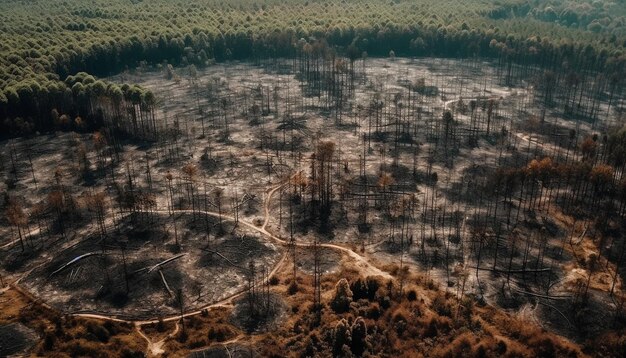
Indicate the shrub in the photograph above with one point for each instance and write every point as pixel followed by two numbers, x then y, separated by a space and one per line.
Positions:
pixel 501 347
pixel 431 329
pixel 112 327
pixel 385 302
pixel 49 341
pixel 343 296
pixel 197 343
pixel 359 289
pixel 373 312
pixel 59 330
pixel 219 333
pixel 274 281
pixel 182 336
pixel 365 289
pixel 441 306
pixel 119 299
pixel 399 314
pixel 462 347
pixel 297 327
pixel 292 289
pixel 83 349
pixel 372 287
pixel 341 337
pixel 359 337
pixel 481 351
pixel 101 333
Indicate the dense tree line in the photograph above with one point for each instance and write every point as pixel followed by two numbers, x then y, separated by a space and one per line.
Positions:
pixel 45 43
pixel 593 15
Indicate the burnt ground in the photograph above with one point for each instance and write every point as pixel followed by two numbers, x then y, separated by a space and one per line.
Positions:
pixel 246 128
pixel 16 339
pixel 206 270
pixel 226 351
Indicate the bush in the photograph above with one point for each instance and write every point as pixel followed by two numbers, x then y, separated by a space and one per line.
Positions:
pixel 372 287
pixel 101 333
pixel 219 333
pixel 160 325
pixel 112 327
pixel 481 351
pixel 501 347
pixel 441 306
pixel 274 281
pixel 83 349
pixel 49 341
pixel 399 315
pixel 385 302
pixel 343 297
pixel 59 330
pixel 462 347
pixel 544 347
pixel 183 336
pixel 341 337
pixel 119 299
pixel 431 329
pixel 359 289
pixel 359 337
pixel 365 289
pixel 373 312
pixel 197 344
pixel 292 289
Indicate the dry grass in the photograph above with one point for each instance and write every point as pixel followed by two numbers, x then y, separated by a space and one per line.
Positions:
pixel 68 336
pixel 425 325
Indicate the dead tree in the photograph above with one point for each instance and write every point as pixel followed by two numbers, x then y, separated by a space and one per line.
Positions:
pixel 17 218
pixel 317 281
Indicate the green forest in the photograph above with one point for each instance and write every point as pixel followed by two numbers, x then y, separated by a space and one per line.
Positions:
pixel 44 44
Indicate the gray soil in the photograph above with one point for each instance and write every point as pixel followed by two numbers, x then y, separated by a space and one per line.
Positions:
pixel 249 127
pixel 16 339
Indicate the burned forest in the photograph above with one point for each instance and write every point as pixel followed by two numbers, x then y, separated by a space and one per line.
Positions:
pixel 301 196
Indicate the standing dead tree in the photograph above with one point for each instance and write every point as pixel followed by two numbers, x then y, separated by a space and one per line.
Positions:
pixel 17 218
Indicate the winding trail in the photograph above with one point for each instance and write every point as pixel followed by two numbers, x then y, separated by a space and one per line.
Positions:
pixel 521 136
pixel 155 348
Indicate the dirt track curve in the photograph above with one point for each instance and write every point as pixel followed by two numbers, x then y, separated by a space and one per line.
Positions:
pixel 155 348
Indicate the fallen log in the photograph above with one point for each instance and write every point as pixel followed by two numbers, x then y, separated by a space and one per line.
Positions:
pixel 167 287
pixel 556 309
pixel 165 262
pixel 154 267
pixel 544 269
pixel 582 236
pixel 75 260
pixel 223 257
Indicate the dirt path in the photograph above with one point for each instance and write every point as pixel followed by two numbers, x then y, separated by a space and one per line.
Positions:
pixel 266 203
pixel 24 238
pixel 225 344
pixel 521 136
pixel 155 348
pixel 152 349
